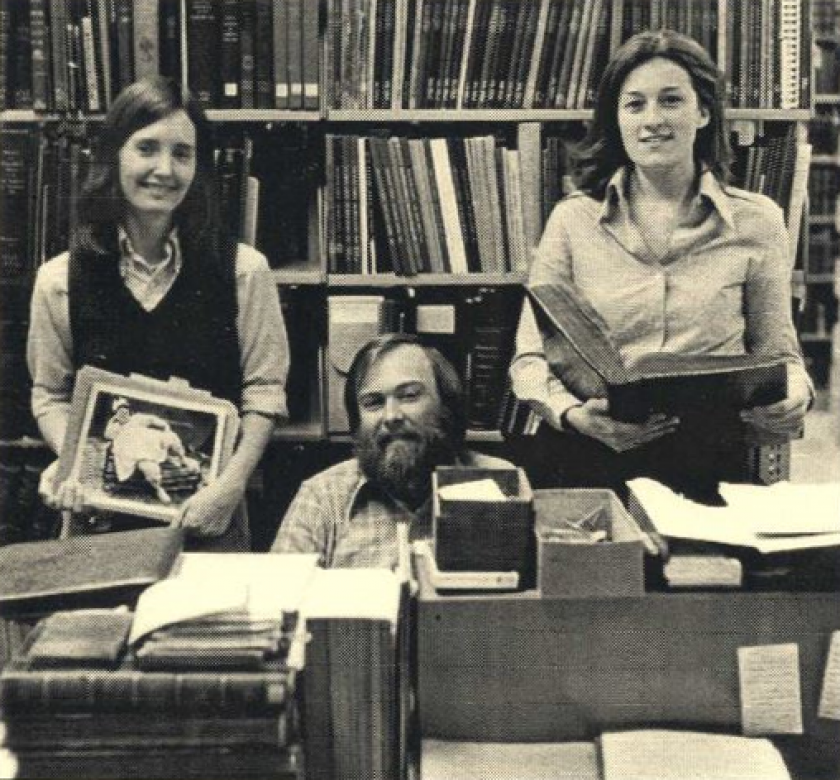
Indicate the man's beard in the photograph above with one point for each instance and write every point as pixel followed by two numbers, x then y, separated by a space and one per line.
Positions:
pixel 400 458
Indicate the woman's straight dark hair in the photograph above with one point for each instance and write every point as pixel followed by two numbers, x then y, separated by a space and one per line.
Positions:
pixel 101 202
pixel 602 152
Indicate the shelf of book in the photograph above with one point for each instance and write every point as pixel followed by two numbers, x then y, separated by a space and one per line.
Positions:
pixel 815 338
pixel 426 280
pixel 261 115
pixel 827 100
pixel 826 278
pixel 298 274
pixel 825 159
pixel 822 219
pixel 309 431
pixel 426 116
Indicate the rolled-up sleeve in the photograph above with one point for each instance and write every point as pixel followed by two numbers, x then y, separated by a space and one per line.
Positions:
pixel 263 342
pixel 768 295
pixel 49 345
pixel 530 374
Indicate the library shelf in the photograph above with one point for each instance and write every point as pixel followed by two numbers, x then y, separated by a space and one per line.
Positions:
pixel 827 100
pixel 24 443
pixel 426 280
pixel 826 278
pixel 298 274
pixel 308 431
pixel 822 219
pixel 815 338
pixel 825 159
pixel 267 115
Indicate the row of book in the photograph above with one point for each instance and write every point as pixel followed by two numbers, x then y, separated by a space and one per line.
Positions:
pixel 824 189
pixel 23 518
pixel 768 53
pixel 826 68
pixel 445 205
pixel 390 54
pixel 475 332
pixel 76 56
pixel 823 249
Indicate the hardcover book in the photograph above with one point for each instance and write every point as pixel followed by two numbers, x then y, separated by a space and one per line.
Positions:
pixel 699 389
pixel 85 570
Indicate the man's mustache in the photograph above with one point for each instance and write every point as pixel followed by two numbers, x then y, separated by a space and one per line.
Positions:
pixel 400 432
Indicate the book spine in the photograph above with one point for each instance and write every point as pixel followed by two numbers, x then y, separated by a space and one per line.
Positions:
pixel 279 23
pixel 294 53
pixel 104 21
pixel 21 56
pixel 14 201
pixel 247 51
pixel 170 38
pixel 231 57
pixel 127 691
pixel 89 50
pixel 310 54
pixel 202 52
pixel 264 56
pixel 146 38
pixel 40 54
pixel 124 42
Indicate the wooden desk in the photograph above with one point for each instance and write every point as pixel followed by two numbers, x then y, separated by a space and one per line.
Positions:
pixel 519 668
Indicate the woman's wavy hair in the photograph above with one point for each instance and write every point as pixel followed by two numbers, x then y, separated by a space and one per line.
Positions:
pixel 602 153
pixel 449 386
pixel 101 203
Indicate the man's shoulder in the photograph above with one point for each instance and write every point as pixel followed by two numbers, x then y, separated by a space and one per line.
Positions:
pixel 340 476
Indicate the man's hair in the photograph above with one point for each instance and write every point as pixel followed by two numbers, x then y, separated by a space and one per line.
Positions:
pixel 101 203
pixel 449 386
pixel 602 152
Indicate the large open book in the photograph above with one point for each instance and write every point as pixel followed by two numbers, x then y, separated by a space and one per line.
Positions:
pixel 700 388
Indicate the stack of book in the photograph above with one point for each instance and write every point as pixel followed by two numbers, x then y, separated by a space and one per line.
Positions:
pixel 77 701
pixel 242 620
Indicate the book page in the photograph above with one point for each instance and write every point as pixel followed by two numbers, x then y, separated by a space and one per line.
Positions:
pixel 362 594
pixel 476 490
pixel 770 688
pixel 743 524
pixel 677 755
pixel 830 697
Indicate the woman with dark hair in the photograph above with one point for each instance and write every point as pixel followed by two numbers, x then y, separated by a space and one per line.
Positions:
pixel 151 285
pixel 672 258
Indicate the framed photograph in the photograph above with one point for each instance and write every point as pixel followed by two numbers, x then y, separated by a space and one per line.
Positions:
pixel 141 446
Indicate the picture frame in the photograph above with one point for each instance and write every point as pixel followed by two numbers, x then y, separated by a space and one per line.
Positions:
pixel 142 446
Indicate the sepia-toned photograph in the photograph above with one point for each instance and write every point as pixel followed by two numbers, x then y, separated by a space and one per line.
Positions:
pixel 487 350
pixel 146 456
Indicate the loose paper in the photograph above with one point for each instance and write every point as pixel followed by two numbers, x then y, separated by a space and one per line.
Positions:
pixel 771 698
pixel 476 490
pixel 830 698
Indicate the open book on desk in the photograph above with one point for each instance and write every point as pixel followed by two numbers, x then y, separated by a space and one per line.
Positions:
pixel 697 388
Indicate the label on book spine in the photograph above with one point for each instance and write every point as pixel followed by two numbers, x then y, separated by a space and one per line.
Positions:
pixel 830 697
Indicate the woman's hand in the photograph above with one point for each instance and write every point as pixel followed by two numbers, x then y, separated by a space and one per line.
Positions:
pixel 69 496
pixel 209 511
pixel 784 417
pixel 593 419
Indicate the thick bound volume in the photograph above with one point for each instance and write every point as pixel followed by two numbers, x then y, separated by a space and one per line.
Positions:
pixel 703 389
pixel 85 571
pixel 28 691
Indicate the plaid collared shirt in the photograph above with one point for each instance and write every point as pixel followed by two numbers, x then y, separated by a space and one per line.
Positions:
pixel 350 522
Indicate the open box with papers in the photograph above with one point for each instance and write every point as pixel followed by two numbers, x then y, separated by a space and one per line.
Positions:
pixel 483 521
pixel 587 545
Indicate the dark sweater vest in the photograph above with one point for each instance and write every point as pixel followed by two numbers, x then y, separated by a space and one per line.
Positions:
pixel 191 334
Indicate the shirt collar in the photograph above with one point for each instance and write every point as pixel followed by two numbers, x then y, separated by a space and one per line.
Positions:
pixel 365 487
pixel 171 252
pixel 709 189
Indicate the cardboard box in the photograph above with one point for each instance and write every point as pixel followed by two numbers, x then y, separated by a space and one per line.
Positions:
pixel 574 569
pixel 477 536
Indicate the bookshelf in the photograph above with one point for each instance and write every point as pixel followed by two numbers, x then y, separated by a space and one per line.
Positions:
pixel 819 317
pixel 481 73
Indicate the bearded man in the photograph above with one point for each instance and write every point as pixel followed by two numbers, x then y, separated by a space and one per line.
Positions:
pixel 405 404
